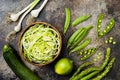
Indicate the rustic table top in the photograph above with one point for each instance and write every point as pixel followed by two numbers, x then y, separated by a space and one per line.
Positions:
pixel 54 14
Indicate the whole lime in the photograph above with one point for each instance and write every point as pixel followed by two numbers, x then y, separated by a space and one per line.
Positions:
pixel 64 66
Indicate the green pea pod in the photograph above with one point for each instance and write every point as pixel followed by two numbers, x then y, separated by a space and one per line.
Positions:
pixel 84 34
pixel 81 46
pixel 108 28
pixel 107 69
pixel 87 77
pixel 99 22
pixel 67 20
pixel 86 56
pixel 80 19
pixel 106 58
pixel 79 35
pixel 85 72
pixel 80 68
pixel 71 39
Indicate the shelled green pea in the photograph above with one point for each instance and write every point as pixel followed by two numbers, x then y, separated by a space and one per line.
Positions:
pixel 89 53
pixel 110 41
pixel 99 55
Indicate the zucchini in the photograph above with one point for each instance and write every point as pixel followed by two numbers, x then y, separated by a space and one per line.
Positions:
pixel 22 71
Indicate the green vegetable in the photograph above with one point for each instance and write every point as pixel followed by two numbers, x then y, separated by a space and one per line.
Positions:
pixel 40 44
pixel 99 22
pixel 110 41
pixel 108 28
pixel 71 39
pixel 114 42
pixel 79 35
pixel 83 35
pixel 107 56
pixel 67 20
pixel 15 17
pixel 107 69
pixel 17 28
pixel 81 46
pixel 80 68
pixel 85 72
pixel 106 41
pixel 23 72
pixel 87 77
pixel 35 13
pixel 89 54
pixel 80 19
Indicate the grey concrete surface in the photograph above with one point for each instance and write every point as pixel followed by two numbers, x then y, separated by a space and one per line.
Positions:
pixel 54 14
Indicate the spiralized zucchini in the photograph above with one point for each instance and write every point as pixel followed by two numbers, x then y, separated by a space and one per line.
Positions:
pixel 40 44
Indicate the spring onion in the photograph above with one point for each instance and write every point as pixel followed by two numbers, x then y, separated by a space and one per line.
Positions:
pixel 18 27
pixel 36 12
pixel 40 44
pixel 14 17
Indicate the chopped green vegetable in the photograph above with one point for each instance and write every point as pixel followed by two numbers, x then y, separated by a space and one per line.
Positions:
pixel 40 44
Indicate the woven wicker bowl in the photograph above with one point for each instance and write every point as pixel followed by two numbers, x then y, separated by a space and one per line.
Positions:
pixel 21 51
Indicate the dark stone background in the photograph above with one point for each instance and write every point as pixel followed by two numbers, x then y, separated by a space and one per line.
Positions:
pixel 54 14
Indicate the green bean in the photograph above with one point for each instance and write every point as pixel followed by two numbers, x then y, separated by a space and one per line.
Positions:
pixel 80 68
pixel 107 69
pixel 80 19
pixel 86 56
pixel 67 20
pixel 87 77
pixel 107 56
pixel 99 22
pixel 108 28
pixel 81 46
pixel 71 39
pixel 85 72
pixel 84 34
pixel 79 35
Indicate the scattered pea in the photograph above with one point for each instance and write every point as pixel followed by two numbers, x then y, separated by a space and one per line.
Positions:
pixel 98 57
pixel 110 41
pixel 111 38
pixel 95 59
pixel 99 53
pixel 114 42
pixel 106 41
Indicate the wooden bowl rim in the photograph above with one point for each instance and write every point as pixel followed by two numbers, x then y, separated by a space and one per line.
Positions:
pixel 20 37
